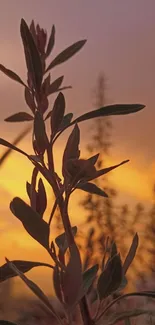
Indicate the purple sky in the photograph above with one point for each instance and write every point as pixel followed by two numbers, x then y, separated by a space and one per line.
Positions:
pixel 121 43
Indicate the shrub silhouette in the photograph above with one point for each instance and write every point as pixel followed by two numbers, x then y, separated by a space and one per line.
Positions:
pixel 71 282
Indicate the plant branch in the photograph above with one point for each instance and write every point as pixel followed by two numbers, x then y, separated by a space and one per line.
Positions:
pixel 141 294
pixel 130 314
pixel 53 210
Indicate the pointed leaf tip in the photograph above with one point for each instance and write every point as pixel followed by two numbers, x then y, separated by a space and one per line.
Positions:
pixel 51 42
pixel 111 277
pixel 31 221
pixel 32 56
pixel 19 117
pixel 131 254
pixel 23 266
pixel 57 113
pixel 66 54
pixel 116 109
pixel 11 74
pixel 91 188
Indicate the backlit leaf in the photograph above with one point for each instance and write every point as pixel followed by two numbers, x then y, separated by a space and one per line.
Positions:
pixel 28 190
pixel 51 42
pixel 57 113
pixel 66 54
pixel 93 159
pixel 113 249
pixel 11 146
pixel 24 266
pixel 66 121
pixel 19 117
pixel 41 201
pixel 105 170
pixel 32 56
pixel 131 254
pixel 40 132
pixel 55 85
pixel 91 188
pixel 72 147
pixel 88 278
pixel 31 221
pixel 34 288
pixel 12 75
pixel 111 277
pixel 117 109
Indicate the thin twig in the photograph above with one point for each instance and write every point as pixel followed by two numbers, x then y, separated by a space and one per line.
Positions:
pixel 141 294
pixel 130 314
pixel 53 211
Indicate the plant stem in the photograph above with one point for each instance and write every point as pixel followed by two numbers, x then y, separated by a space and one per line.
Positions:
pixel 33 187
pixel 63 205
pixel 50 157
pixel 53 210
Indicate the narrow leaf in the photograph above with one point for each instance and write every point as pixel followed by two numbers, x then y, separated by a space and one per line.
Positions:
pixel 12 75
pixel 28 190
pixel 35 289
pixel 23 266
pixel 19 117
pixel 66 54
pixel 33 60
pixel 104 171
pixel 111 277
pixel 94 159
pixel 131 254
pixel 41 203
pixel 64 88
pixel 51 42
pixel 57 113
pixel 31 221
pixel 72 147
pixel 91 188
pixel 66 121
pixel 11 146
pixel 88 278
pixel 55 85
pixel 113 250
pixel 61 240
pixel 117 109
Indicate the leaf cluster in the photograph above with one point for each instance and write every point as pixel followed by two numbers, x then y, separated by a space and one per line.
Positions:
pixel 71 282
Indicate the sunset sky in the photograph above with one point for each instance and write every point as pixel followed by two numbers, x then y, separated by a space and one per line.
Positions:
pixel 120 43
